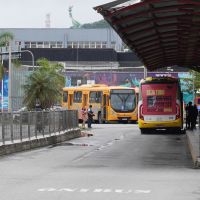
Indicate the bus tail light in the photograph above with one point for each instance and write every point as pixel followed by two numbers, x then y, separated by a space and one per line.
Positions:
pixel 178 111
pixel 141 113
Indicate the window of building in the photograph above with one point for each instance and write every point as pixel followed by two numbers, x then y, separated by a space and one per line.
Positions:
pixel 46 45
pixel 98 45
pixel 59 44
pixel 33 45
pixel 104 44
pixel 27 45
pixel 80 45
pixel 87 45
pixel 69 45
pixel 92 45
pixel 77 97
pixel 75 45
pixel 40 45
pixel 53 45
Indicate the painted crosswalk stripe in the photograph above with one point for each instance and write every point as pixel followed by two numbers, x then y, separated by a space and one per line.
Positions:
pixel 95 190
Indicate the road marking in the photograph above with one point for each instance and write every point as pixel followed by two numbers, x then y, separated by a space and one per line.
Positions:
pixel 142 191
pixel 95 190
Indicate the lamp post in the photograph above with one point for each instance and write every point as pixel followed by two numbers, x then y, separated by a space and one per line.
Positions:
pixel 145 72
pixel 28 51
pixel 10 74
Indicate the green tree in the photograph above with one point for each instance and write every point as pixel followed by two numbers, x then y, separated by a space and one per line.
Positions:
pixel 192 82
pixel 5 37
pixel 98 24
pixel 44 85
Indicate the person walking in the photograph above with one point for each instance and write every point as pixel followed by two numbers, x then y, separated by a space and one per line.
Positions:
pixel 83 116
pixel 39 126
pixel 194 116
pixel 90 116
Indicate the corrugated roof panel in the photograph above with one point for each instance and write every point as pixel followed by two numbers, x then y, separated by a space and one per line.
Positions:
pixel 165 29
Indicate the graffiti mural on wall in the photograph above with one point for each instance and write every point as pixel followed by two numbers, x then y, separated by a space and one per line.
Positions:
pixel 119 78
pixel 4 93
pixel 109 78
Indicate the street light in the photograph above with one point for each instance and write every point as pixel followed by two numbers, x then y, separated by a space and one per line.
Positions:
pixel 28 51
pixel 10 74
pixel 145 72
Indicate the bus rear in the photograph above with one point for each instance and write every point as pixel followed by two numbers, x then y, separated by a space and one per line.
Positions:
pixel 160 104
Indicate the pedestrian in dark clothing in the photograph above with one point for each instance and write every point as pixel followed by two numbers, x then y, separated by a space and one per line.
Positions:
pixel 187 116
pixel 189 113
pixel 90 116
pixel 38 117
pixel 194 116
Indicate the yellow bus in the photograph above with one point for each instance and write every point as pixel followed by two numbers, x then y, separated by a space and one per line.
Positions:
pixel 109 103
pixel 160 104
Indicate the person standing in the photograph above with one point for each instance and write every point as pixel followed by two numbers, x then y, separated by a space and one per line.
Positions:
pixel 39 125
pixel 189 113
pixel 83 116
pixel 90 116
pixel 194 117
pixel 187 116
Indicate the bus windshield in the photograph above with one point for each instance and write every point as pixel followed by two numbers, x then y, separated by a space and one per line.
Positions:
pixel 122 100
pixel 159 98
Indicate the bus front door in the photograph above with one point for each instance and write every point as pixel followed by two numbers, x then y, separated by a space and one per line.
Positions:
pixel 70 102
pixel 104 106
pixel 85 100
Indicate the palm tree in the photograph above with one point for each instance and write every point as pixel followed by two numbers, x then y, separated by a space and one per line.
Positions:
pixel 5 39
pixel 44 85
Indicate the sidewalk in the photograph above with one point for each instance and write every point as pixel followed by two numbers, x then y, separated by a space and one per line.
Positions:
pixel 193 138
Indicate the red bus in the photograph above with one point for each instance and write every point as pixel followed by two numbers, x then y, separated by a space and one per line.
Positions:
pixel 160 104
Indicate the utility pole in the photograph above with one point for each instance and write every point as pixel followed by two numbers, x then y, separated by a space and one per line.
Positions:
pixel 10 78
pixel 145 72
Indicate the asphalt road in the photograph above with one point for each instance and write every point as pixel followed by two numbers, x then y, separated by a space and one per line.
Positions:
pixel 116 163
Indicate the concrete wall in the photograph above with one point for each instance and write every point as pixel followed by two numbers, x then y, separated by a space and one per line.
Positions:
pixel 39 142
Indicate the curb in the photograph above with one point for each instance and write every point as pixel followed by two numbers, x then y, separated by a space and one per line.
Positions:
pixel 39 142
pixel 193 147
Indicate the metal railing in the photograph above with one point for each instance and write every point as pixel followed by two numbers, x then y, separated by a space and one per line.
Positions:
pixel 26 125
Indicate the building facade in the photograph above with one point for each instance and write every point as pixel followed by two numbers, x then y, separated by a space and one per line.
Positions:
pixel 65 38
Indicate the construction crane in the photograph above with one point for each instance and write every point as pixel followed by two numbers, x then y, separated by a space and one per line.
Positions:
pixel 75 23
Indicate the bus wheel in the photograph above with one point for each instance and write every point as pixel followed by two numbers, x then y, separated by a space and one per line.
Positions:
pixel 143 130
pixel 99 118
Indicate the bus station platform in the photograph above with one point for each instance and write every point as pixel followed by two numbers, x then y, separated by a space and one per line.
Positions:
pixel 193 138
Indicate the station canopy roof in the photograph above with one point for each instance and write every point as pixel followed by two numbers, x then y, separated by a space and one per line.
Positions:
pixel 163 33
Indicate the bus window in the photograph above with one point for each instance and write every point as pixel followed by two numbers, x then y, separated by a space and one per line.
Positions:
pixel 77 97
pixel 95 97
pixel 123 100
pixel 65 97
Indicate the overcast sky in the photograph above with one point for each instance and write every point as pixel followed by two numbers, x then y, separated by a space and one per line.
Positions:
pixel 32 13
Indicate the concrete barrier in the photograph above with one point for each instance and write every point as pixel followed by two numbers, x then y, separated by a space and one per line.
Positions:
pixel 17 146
pixel 193 143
